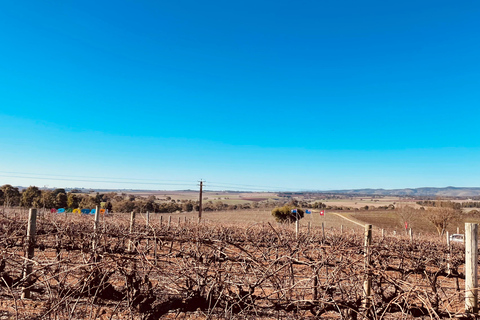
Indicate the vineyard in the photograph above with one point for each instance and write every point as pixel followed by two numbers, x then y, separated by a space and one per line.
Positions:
pixel 170 269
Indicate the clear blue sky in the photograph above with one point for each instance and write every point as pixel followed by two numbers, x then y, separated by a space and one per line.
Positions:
pixel 283 94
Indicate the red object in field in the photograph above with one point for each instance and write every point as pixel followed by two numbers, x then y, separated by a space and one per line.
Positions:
pixel 322 212
pixel 406 225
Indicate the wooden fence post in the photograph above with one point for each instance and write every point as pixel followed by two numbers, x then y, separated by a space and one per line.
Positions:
pixel 410 233
pixel 147 223
pixel 103 220
pixel 95 228
pixel 309 227
pixel 367 284
pixel 383 234
pixel 449 253
pixel 30 251
pixel 169 221
pixel 161 221
pixel 296 228
pixel 323 231
pixel 97 219
pixel 471 265
pixel 132 224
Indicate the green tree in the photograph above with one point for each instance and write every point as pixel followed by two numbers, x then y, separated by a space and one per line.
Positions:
pixel 219 205
pixel 285 214
pixel 61 201
pixel 48 199
pixel 319 205
pixel 188 206
pixel 123 206
pixel 11 196
pixel 59 190
pixel 98 198
pixel 72 201
pixel 31 197
pixel 108 206
pixel 109 196
pixel 144 205
pixel 169 207
pixel 88 202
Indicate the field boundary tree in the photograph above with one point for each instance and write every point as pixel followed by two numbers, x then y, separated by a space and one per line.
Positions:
pixel 286 214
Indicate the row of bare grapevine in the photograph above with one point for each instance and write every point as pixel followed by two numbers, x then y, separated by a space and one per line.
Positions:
pixel 215 271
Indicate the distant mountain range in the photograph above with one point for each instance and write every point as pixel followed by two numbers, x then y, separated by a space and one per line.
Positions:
pixel 424 192
pixel 463 192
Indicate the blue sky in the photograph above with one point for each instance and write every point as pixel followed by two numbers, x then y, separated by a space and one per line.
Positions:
pixel 299 95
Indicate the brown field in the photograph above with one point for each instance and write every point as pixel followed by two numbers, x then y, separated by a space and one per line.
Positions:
pixel 244 197
pixel 237 264
pixel 358 202
pixel 224 196
pixel 252 217
pixel 380 219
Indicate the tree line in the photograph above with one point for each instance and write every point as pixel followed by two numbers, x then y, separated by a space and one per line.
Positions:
pixel 33 197
pixel 449 204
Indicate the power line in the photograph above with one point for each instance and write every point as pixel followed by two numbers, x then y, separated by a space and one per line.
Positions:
pixel 136 181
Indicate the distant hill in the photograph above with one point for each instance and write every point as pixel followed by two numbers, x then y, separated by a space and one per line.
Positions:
pixel 463 192
pixel 423 192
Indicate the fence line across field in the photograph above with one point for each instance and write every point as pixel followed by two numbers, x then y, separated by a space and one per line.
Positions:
pixel 471 253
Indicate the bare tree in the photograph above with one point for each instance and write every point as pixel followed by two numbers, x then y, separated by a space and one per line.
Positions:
pixel 406 214
pixel 441 217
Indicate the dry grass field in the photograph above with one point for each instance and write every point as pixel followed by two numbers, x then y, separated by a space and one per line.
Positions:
pixel 359 202
pixel 224 196
pixel 380 219
pixel 244 197
pixel 332 220
pixel 252 217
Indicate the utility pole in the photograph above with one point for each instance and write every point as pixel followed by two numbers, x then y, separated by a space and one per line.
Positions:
pixel 200 206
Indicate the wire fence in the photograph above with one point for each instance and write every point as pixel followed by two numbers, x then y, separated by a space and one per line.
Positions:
pixel 214 271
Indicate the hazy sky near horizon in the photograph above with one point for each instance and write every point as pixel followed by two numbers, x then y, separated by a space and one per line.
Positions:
pixel 271 95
